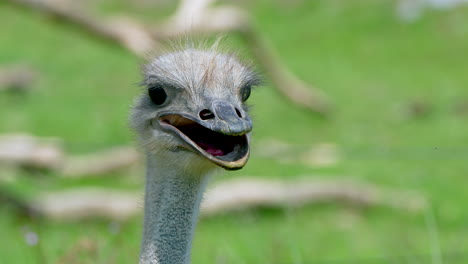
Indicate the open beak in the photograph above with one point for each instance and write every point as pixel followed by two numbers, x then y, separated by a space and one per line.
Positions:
pixel 226 146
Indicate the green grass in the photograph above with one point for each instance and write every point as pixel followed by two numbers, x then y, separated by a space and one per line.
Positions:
pixel 371 65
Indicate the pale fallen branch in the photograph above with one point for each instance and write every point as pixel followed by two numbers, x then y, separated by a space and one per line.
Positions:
pixel 99 163
pixel 324 154
pixel 88 203
pixel 191 17
pixel 125 31
pixel 17 78
pixel 286 83
pixel 228 196
pixel 248 193
pixel 23 150
pixel 26 151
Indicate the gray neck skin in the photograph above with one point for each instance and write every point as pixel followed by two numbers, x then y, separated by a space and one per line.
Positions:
pixel 172 201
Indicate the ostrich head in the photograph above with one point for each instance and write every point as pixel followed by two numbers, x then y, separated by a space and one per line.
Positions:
pixel 193 109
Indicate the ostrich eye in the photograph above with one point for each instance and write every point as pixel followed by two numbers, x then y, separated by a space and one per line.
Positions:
pixel 245 93
pixel 157 95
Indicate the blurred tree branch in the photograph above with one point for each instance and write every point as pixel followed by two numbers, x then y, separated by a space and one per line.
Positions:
pixel 234 195
pixel 47 153
pixel 27 151
pixel 22 150
pixel 191 17
pixel 125 31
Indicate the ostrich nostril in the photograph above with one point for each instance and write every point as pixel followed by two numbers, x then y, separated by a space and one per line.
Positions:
pixel 206 114
pixel 238 113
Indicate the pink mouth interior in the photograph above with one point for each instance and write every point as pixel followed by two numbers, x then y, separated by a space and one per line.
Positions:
pixel 211 149
pixel 214 143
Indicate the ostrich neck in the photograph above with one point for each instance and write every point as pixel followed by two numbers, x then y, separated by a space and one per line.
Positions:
pixel 172 202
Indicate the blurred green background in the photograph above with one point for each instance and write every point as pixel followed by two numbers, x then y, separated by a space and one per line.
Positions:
pixel 375 67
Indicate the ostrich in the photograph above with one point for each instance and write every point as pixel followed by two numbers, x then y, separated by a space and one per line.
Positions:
pixel 191 120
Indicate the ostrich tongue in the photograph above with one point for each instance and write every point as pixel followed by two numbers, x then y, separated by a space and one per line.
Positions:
pixel 211 149
pixel 214 143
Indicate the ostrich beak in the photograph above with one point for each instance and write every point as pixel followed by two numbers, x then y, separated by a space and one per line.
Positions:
pixel 221 135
